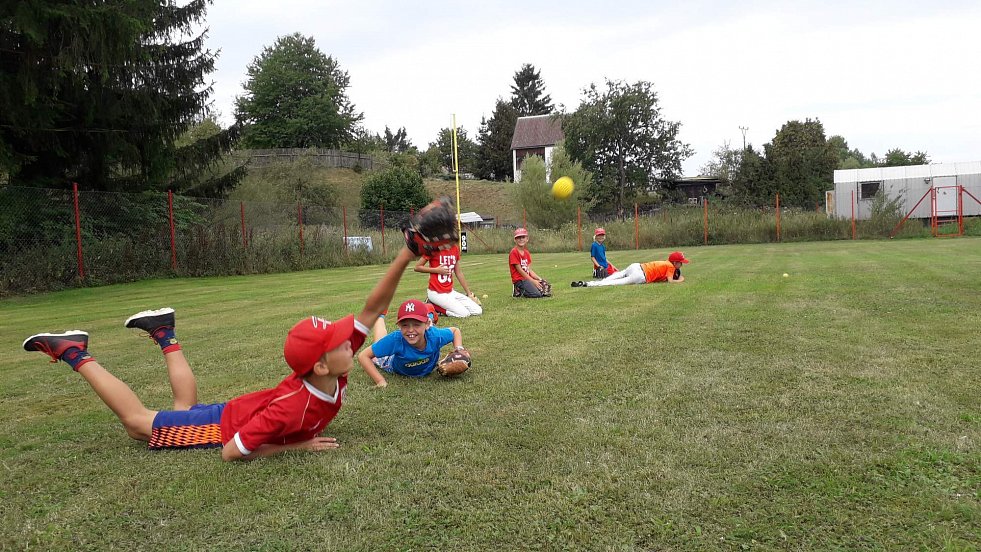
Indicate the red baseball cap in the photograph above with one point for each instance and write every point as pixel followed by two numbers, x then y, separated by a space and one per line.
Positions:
pixel 520 232
pixel 310 338
pixel 599 232
pixel 678 257
pixel 413 309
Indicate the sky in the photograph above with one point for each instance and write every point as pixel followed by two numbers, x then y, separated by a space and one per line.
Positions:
pixel 882 74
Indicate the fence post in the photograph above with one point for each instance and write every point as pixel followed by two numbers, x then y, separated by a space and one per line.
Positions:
pixel 299 219
pixel 383 227
pixel 245 242
pixel 344 213
pixel 636 227
pixel 778 216
pixel 173 240
pixel 853 214
pixel 579 224
pixel 705 209
pixel 78 232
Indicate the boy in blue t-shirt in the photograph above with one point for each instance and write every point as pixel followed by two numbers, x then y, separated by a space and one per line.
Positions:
pixel 412 350
pixel 597 252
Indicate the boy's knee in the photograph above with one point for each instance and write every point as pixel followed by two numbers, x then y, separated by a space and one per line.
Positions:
pixel 138 427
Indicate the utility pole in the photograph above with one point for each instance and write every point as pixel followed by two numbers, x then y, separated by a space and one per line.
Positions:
pixel 744 129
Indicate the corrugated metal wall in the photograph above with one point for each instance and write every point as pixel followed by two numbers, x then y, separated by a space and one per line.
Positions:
pixel 912 182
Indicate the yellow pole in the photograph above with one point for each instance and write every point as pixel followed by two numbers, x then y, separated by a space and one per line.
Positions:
pixel 456 170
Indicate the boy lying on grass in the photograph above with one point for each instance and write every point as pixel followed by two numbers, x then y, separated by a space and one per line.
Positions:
pixel 287 417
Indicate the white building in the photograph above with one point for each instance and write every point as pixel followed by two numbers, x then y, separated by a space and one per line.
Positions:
pixel 912 183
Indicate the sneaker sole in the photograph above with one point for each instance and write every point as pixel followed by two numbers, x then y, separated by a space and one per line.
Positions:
pixel 65 334
pixel 147 314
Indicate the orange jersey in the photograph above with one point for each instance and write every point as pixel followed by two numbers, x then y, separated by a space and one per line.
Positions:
pixel 657 271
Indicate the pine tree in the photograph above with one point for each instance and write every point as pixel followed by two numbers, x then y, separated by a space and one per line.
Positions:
pixel 494 143
pixel 99 92
pixel 528 93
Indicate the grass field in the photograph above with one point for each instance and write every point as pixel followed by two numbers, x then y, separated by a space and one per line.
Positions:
pixel 836 409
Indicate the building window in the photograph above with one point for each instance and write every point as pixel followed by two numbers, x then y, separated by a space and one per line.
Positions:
pixel 869 189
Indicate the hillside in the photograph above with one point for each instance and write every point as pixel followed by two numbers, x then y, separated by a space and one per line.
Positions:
pixel 495 199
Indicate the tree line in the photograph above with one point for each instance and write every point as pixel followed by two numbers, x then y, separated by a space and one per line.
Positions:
pixel 119 99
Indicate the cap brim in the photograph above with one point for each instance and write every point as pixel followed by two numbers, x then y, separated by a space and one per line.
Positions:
pixel 343 329
pixel 415 316
pixel 685 261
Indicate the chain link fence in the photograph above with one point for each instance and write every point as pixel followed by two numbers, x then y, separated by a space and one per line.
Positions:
pixel 52 239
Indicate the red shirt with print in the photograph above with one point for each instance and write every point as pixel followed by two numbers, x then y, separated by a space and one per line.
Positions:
pixel 520 258
pixel 292 412
pixel 443 283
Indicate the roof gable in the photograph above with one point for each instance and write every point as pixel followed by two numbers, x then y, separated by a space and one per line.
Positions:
pixel 537 131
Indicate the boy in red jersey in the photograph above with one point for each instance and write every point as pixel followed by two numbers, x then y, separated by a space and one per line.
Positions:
pixel 441 267
pixel 644 273
pixel 288 417
pixel 525 281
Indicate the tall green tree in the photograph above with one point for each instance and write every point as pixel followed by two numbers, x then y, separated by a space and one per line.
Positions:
pixel 398 141
pixel 753 184
pixel 98 92
pixel 724 164
pixel 494 143
pixel 620 135
pixel 803 162
pixel 466 150
pixel 295 97
pixel 798 164
pixel 528 95
pixel 848 158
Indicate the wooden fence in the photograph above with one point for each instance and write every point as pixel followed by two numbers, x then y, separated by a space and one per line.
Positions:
pixel 320 157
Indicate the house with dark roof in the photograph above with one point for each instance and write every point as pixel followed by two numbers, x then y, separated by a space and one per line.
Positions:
pixel 535 135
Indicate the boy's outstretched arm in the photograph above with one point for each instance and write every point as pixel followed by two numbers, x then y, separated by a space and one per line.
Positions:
pixel 380 297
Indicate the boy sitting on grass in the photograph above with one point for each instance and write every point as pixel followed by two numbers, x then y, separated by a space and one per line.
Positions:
pixel 413 349
pixel 287 417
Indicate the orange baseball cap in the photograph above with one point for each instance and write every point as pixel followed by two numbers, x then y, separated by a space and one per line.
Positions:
pixel 677 257
pixel 520 232
pixel 599 232
pixel 310 338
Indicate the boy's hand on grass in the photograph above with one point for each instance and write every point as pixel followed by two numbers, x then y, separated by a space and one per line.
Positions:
pixel 320 444
pixel 380 384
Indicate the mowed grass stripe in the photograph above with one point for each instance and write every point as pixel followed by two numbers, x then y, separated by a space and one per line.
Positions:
pixel 833 409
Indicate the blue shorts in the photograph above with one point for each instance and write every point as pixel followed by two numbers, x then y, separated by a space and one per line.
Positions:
pixel 199 427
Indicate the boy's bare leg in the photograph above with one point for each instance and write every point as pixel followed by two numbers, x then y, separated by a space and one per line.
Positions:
pixel 159 325
pixel 182 381
pixel 136 418
pixel 378 330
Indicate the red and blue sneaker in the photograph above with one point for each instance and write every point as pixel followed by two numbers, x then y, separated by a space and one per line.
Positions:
pixel 152 320
pixel 70 346
pixel 159 324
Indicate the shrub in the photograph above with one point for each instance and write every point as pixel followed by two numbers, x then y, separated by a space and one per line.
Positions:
pixel 398 189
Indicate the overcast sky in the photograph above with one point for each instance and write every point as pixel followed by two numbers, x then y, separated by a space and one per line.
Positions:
pixel 887 74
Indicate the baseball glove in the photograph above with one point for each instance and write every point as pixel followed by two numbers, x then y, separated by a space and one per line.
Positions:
pixel 677 274
pixel 454 363
pixel 546 288
pixel 432 229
